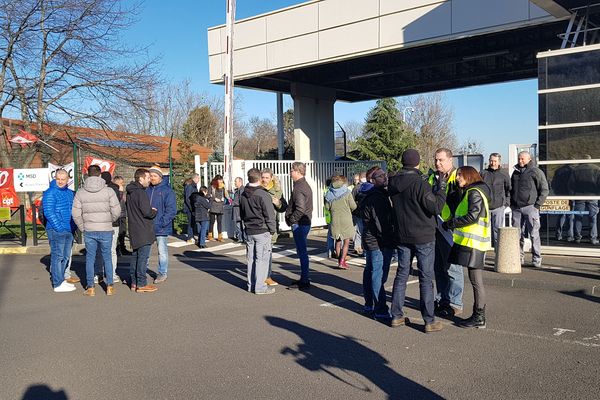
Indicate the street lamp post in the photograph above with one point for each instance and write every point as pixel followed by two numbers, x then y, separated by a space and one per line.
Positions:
pixel 404 110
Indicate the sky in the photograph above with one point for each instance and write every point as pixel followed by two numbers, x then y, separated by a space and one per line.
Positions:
pixel 495 115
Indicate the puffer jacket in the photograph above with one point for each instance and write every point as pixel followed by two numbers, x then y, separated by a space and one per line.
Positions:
pixel 57 204
pixel 162 197
pixel 463 255
pixel 95 206
pixel 340 202
pixel 528 186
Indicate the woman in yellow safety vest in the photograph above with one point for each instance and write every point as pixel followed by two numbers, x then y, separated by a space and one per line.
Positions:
pixel 471 235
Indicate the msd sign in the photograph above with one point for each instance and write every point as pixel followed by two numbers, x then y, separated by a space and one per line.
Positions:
pixel 31 179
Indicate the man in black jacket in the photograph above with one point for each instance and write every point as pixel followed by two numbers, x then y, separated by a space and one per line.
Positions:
pixel 499 182
pixel 258 214
pixel 416 208
pixel 141 230
pixel 298 216
pixel 378 241
pixel 528 193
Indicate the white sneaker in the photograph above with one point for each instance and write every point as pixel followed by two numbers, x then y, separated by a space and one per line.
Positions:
pixel 64 287
pixel 116 279
pixel 68 284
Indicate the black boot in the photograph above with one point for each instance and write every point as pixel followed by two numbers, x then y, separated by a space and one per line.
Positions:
pixel 477 320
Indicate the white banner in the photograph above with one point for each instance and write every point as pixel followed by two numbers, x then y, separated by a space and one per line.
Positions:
pixel 70 168
pixel 31 179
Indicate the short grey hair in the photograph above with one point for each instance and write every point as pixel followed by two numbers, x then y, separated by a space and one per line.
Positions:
pixel 61 171
pixel 496 155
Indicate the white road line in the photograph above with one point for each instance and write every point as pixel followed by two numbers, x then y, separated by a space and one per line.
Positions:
pixel 219 247
pixel 539 337
pixel 179 244
pixel 333 303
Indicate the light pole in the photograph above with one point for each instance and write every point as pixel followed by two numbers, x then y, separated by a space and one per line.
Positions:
pixel 404 110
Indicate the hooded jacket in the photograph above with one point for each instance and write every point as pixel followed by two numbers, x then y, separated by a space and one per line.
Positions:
pixel 415 206
pixel 95 206
pixel 340 203
pixel 256 210
pixel 378 219
pixel 57 204
pixel 162 198
pixel 463 255
pixel 529 186
pixel 201 207
pixel 139 216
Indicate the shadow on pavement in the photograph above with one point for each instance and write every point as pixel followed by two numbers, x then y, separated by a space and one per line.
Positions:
pixel 582 295
pixel 43 392
pixel 343 357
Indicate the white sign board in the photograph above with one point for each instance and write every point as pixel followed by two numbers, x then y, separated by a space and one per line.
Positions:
pixel 31 179
pixel 70 168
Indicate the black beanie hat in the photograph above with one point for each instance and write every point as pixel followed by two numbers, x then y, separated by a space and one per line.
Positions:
pixel 411 158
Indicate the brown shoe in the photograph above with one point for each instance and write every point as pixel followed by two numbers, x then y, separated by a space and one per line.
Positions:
pixel 73 279
pixel 433 327
pixel 133 287
pixel 210 236
pixel 110 290
pixel 91 292
pixel 271 282
pixel 220 237
pixel 147 289
pixel 396 322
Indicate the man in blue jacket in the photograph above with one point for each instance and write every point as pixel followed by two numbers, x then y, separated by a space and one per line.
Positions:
pixel 57 203
pixel 162 199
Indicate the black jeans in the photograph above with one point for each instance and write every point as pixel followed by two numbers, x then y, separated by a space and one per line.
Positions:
pixel 219 219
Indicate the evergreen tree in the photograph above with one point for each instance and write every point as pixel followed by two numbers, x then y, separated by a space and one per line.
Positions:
pixel 385 135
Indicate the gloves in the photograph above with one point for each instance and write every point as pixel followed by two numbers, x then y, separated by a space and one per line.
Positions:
pixel 446 225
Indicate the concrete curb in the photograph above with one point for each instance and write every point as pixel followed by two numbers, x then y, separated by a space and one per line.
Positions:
pixel 39 250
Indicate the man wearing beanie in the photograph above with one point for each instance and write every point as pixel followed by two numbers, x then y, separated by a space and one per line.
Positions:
pixel 416 208
pixel 162 199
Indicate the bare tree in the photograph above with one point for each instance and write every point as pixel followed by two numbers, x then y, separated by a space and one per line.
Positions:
pixel 263 133
pixel 63 62
pixel 431 120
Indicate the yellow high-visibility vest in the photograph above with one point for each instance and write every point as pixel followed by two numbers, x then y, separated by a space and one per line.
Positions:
pixel 326 212
pixel 446 214
pixel 477 235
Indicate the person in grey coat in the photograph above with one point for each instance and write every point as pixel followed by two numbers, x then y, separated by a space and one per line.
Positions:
pixel 528 193
pixel 340 202
pixel 95 208
pixel 498 181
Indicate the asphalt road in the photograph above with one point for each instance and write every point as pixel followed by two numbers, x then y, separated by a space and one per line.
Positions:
pixel 202 336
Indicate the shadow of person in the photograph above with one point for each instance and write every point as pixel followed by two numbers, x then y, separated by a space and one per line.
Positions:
pixel 43 392
pixel 339 356
pixel 581 294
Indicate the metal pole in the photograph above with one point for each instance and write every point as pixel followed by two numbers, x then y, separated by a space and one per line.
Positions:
pixel 280 135
pixel 171 162
pixel 228 130
pixel 75 163
pixel 23 230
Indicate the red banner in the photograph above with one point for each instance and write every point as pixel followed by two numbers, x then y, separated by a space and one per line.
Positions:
pixel 8 196
pixel 105 165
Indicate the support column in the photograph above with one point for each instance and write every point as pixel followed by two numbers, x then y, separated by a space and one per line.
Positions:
pixel 314 137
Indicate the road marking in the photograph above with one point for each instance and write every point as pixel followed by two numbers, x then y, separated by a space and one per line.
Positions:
pixel 333 303
pixel 179 244
pixel 546 338
pixel 560 331
pixel 219 247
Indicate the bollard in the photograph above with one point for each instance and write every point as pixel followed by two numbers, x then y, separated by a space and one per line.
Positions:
pixel 508 254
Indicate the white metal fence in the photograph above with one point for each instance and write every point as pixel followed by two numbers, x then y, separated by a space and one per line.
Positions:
pixel 317 173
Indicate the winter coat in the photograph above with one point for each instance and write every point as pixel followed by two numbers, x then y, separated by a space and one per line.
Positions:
pixel 256 210
pixel 140 216
pixel 201 206
pixel 300 206
pixel 162 197
pixel 378 219
pixel 235 203
pixel 275 191
pixel 340 203
pixel 463 255
pixel 95 206
pixel 415 206
pixel 499 183
pixel 528 186
pixel 359 196
pixel 560 180
pixel 115 187
pixel 57 204
pixel 584 180
pixel 217 199
pixel 187 197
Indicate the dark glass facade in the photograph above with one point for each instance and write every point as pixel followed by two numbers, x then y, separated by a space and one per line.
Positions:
pixel 569 136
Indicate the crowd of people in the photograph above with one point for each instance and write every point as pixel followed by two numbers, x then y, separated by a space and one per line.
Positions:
pixel 446 220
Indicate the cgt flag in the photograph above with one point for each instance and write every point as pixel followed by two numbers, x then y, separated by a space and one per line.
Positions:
pixel 23 138
pixel 8 196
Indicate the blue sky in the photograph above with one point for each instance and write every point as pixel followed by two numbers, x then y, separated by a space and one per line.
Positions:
pixel 496 115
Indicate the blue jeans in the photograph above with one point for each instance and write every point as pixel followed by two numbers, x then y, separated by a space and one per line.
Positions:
pixel 449 278
pixel 375 275
pixel 300 233
pixel 94 242
pixel 425 254
pixel 560 226
pixel 330 241
pixel 60 253
pixel 202 228
pixel 240 232
pixel 138 266
pixel 163 254
pixel 592 208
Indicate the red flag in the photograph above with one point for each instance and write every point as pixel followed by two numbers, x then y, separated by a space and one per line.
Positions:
pixel 23 138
